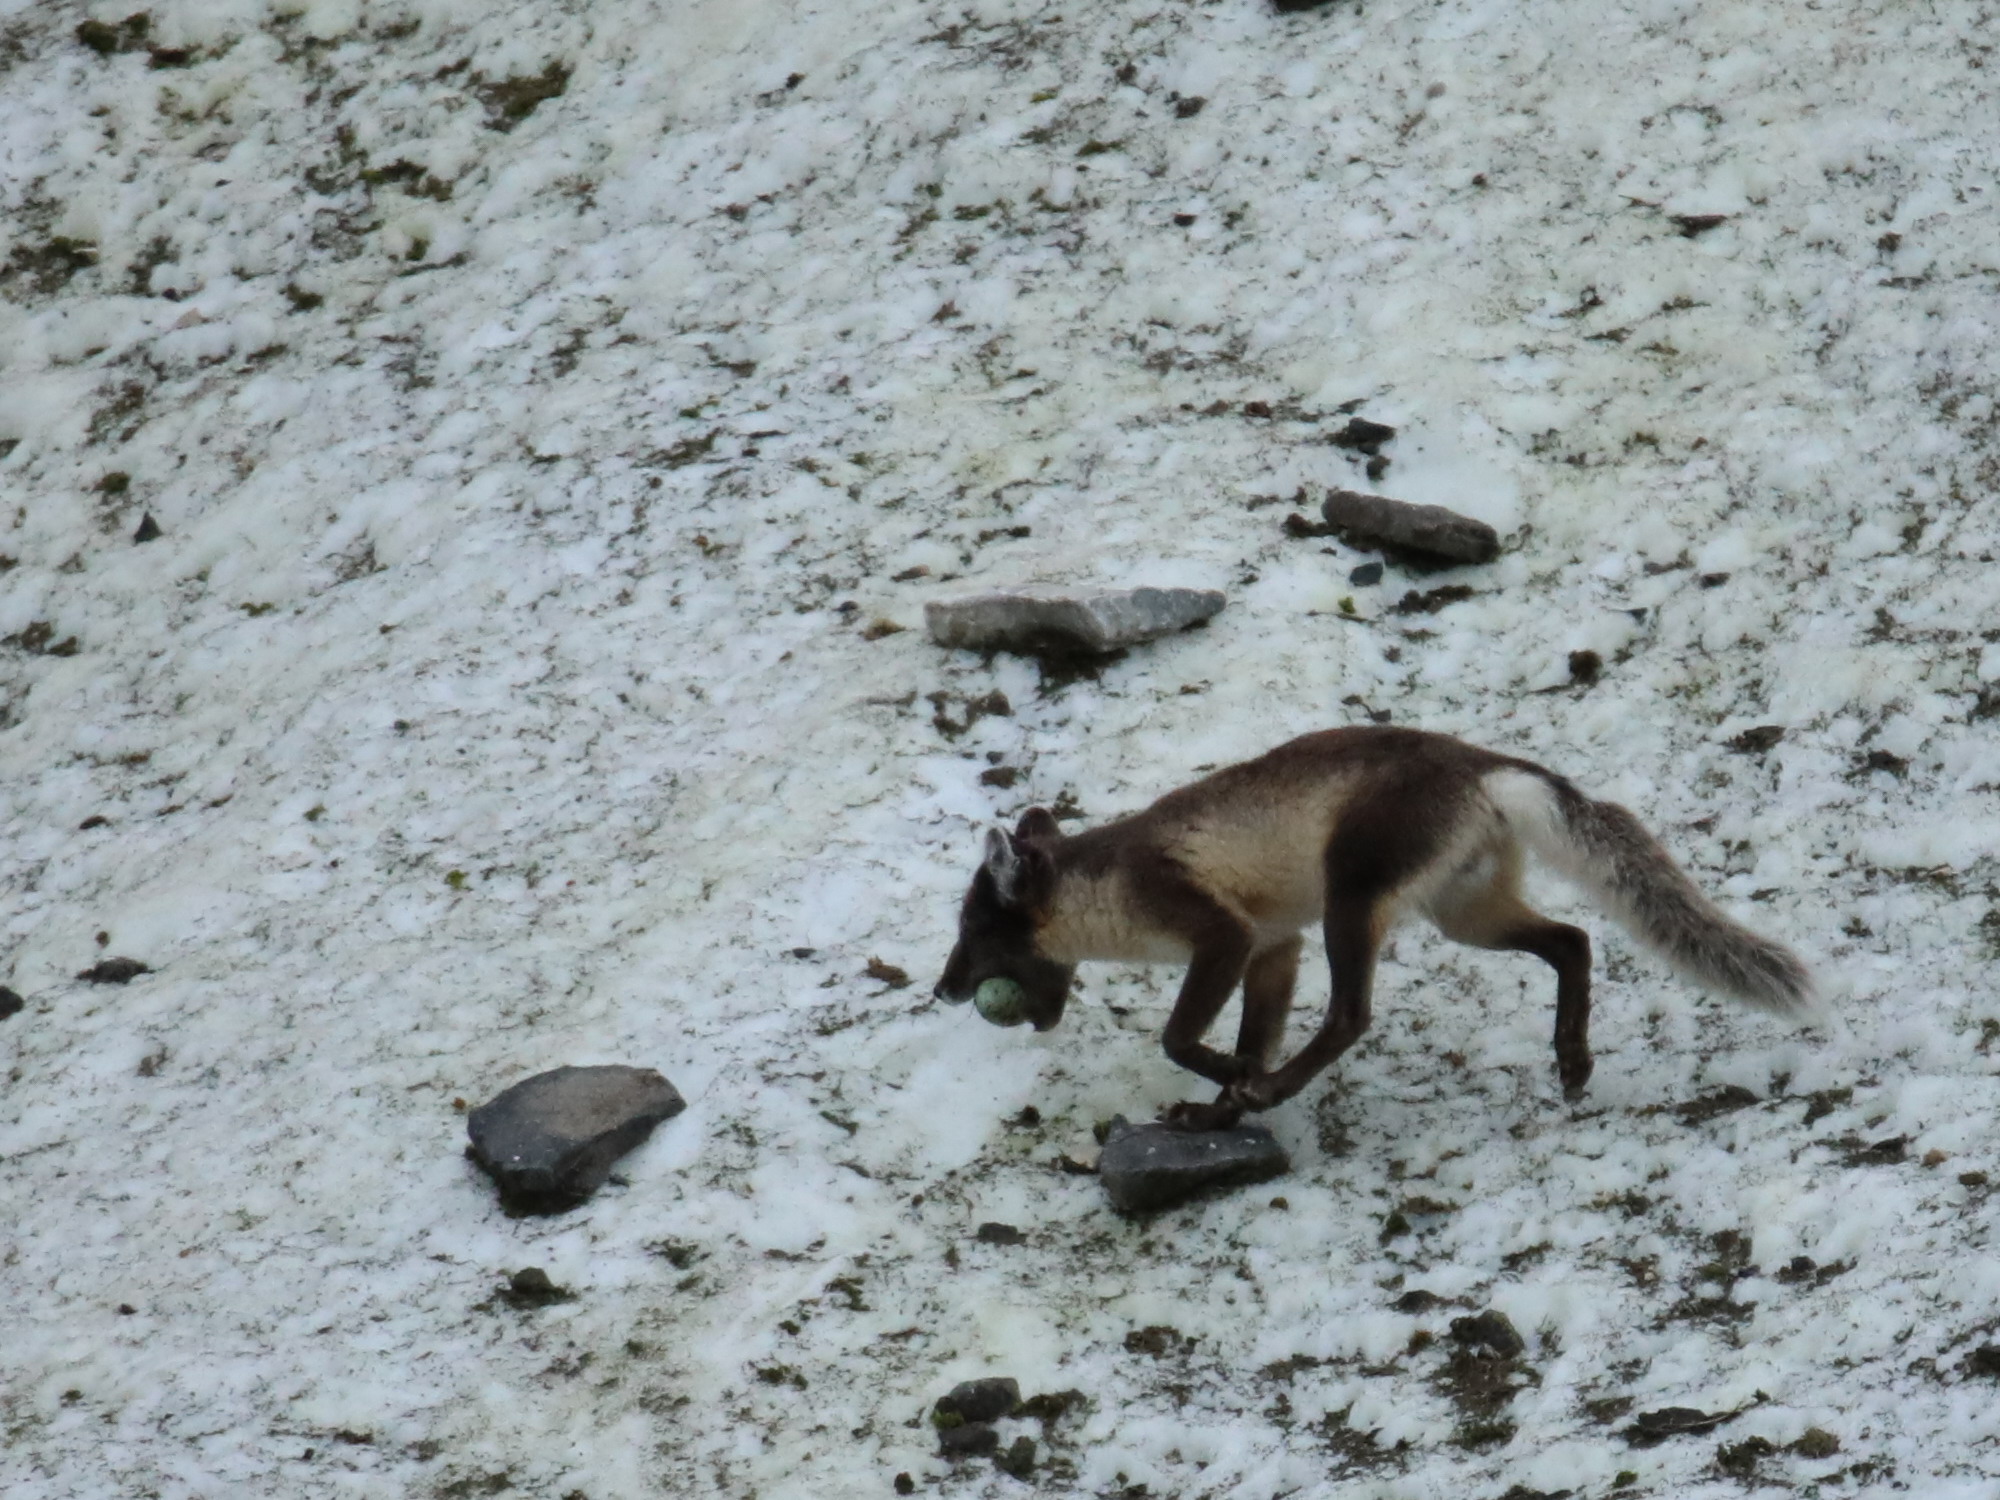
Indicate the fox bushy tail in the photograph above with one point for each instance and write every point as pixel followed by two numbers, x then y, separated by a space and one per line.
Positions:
pixel 1607 851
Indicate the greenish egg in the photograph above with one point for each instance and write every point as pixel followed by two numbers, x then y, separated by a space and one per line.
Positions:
pixel 1001 1001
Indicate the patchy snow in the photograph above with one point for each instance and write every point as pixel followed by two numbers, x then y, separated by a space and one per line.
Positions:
pixel 511 686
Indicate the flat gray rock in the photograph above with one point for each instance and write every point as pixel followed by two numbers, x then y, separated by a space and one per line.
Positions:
pixel 1048 621
pixel 1153 1166
pixel 1432 531
pixel 549 1141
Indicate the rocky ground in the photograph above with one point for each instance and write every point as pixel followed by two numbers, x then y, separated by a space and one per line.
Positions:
pixel 471 477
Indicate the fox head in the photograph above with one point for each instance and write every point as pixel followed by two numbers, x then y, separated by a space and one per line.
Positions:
pixel 1007 902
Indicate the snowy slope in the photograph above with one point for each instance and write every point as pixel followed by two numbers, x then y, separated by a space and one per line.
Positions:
pixel 544 409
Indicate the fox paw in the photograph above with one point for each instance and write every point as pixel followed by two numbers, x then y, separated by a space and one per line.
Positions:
pixel 1188 1115
pixel 1575 1076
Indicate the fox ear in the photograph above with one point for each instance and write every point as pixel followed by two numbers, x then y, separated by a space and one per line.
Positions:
pixel 1038 823
pixel 1003 864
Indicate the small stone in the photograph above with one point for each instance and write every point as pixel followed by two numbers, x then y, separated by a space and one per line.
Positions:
pixel 1690 225
pixel 1152 1166
pixel 1430 531
pixel 1367 575
pixel 905 1485
pixel 967 1438
pixel 1876 1153
pixel 149 529
pixel 1651 1427
pixel 549 1141
pixel 1048 621
pixel 11 1004
pixel 531 1287
pixel 1019 1459
pixel 113 971
pixel 1363 435
pixel 981 1400
pixel 1757 741
pixel 1421 1301
pixel 1491 1330
pixel 992 1233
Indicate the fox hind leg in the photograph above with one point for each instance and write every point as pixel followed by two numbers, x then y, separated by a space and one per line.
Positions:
pixel 1494 916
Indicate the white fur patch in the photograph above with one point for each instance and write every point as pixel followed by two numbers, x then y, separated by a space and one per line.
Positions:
pixel 1529 806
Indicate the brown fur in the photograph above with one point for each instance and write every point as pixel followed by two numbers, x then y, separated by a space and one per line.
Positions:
pixel 1355 829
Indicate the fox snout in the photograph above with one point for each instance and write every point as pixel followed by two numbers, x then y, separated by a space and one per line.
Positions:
pixel 954 986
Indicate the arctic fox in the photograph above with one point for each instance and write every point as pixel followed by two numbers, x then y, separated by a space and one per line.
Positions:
pixel 1355 829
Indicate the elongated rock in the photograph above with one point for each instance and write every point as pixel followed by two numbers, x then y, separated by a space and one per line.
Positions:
pixel 1152 1166
pixel 549 1141
pixel 1048 621
pixel 1431 531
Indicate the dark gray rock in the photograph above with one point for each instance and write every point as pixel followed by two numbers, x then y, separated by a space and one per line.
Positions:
pixel 962 1439
pixel 549 1141
pixel 1152 1166
pixel 981 1400
pixel 11 1004
pixel 1019 1459
pixel 1431 532
pixel 1052 621
pixel 1650 1428
pixel 1492 1330
pixel 531 1287
pixel 113 971
pixel 1363 436
pixel 1984 1361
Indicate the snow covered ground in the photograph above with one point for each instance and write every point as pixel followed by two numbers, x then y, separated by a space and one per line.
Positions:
pixel 546 410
